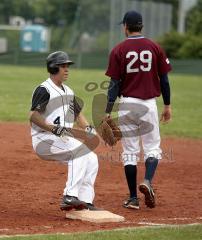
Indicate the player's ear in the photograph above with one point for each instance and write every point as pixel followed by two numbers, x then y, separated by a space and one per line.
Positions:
pixel 125 29
pixel 124 26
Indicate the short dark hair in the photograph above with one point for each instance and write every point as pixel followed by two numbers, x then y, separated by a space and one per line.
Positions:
pixel 134 28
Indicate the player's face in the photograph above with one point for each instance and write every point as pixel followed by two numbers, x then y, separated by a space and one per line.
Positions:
pixel 63 71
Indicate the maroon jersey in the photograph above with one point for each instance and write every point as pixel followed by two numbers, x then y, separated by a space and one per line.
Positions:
pixel 138 62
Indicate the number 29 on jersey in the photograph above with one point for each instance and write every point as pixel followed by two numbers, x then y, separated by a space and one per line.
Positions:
pixel 145 58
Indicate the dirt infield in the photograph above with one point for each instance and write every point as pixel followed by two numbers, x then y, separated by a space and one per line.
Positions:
pixel 31 188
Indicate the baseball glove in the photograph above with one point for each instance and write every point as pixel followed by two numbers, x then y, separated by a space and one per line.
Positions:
pixel 110 132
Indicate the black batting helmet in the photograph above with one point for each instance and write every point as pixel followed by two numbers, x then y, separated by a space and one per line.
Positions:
pixel 55 59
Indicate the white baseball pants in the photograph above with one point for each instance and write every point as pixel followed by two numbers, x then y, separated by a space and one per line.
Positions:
pixel 138 120
pixel 82 165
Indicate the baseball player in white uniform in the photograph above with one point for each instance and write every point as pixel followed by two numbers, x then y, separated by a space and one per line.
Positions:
pixel 53 112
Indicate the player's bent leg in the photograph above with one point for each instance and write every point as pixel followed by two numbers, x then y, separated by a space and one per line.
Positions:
pixel 50 147
pixel 150 168
pixel 130 167
pixel 86 192
pixel 76 173
pixel 145 187
pixel 130 155
pixel 151 140
pixel 152 154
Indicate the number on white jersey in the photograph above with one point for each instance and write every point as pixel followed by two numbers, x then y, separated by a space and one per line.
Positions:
pixel 145 57
pixel 57 120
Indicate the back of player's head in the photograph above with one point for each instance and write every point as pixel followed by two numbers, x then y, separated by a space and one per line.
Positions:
pixel 55 59
pixel 133 21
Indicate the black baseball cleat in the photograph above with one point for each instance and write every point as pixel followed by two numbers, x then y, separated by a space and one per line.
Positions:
pixel 92 207
pixel 148 192
pixel 132 203
pixel 70 202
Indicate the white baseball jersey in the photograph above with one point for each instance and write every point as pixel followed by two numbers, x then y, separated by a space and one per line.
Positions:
pixel 60 107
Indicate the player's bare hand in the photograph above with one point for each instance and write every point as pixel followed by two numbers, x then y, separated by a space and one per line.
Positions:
pixel 166 114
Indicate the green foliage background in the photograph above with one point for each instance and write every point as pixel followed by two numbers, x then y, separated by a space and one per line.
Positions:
pixel 188 45
pixel 194 20
pixel 182 46
pixel 68 19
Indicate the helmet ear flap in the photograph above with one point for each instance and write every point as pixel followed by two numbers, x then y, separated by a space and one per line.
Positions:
pixel 52 70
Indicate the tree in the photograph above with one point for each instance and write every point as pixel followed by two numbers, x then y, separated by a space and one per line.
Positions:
pixel 10 8
pixel 56 12
pixel 194 19
pixel 53 12
pixel 94 15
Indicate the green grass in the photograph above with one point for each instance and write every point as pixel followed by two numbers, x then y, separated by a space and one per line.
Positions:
pixel 193 232
pixel 17 84
pixel 186 106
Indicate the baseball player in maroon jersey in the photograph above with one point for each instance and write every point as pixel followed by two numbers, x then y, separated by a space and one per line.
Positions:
pixel 138 69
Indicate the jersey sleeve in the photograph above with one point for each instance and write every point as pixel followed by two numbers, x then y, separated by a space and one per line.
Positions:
pixel 40 99
pixel 77 107
pixel 163 63
pixel 113 69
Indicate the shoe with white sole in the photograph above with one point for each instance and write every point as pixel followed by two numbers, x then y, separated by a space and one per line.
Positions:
pixel 132 203
pixel 71 202
pixel 148 192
